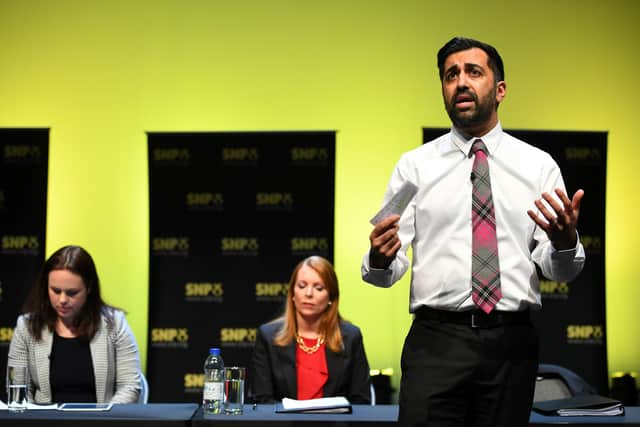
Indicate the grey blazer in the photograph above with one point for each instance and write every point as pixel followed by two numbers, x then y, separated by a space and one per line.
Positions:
pixel 116 363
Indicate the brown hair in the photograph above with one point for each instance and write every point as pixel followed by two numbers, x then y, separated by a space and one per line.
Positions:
pixel 78 261
pixel 330 321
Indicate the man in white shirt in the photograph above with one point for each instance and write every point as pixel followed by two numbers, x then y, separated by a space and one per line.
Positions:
pixel 464 363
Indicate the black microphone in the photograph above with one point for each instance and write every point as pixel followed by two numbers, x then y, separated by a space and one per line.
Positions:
pixel 472 176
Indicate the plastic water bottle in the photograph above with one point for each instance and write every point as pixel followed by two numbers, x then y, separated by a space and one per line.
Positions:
pixel 213 391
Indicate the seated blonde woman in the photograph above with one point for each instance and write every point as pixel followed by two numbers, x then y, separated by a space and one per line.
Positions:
pixel 310 351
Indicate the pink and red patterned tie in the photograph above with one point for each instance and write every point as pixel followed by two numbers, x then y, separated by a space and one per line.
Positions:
pixel 485 268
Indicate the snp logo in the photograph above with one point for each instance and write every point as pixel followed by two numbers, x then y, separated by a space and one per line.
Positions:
pixel 267 291
pixel 22 153
pixel 582 154
pixel 309 155
pixel 585 334
pixel 171 156
pixel 307 245
pixel 171 246
pixel 20 245
pixel 204 201
pixel 193 382
pixel 592 244
pixel 554 290
pixel 243 246
pixel 240 155
pixel 170 337
pixel 5 335
pixel 238 337
pixel 2 200
pixel 208 292
pixel 274 201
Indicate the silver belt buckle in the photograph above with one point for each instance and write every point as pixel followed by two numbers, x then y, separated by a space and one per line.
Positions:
pixel 473 321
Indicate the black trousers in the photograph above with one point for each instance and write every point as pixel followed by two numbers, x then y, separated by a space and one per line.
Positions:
pixel 455 374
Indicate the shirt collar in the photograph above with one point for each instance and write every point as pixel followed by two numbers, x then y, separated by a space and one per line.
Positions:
pixel 491 139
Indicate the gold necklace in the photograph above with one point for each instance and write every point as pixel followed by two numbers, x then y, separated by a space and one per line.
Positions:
pixel 306 348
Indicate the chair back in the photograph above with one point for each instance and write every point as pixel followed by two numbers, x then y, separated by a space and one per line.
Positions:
pixel 555 382
pixel 144 389
pixel 372 391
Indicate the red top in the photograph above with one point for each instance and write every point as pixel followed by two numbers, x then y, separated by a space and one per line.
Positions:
pixel 311 369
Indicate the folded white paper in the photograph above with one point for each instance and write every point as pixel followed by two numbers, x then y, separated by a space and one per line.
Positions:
pixel 324 404
pixel 398 203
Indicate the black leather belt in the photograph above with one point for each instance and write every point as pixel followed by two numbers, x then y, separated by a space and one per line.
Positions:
pixel 474 318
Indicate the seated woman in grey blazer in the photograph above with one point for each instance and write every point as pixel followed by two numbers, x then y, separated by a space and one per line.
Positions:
pixel 76 347
pixel 310 351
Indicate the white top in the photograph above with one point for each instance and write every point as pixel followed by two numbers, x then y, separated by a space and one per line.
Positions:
pixel 437 223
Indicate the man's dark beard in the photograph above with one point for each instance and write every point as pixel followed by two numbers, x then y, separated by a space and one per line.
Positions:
pixel 484 109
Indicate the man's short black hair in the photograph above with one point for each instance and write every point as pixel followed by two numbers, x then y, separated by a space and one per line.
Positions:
pixel 457 44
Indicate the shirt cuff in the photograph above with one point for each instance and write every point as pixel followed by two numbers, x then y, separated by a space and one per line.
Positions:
pixel 376 276
pixel 567 253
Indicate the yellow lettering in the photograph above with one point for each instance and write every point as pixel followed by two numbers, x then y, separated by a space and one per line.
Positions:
pixel 585 331
pixel 171 154
pixel 169 334
pixel 239 244
pixel 20 242
pixel 170 243
pixel 6 334
pixel 193 380
pixel 271 289
pixel 237 334
pixel 551 287
pixel 203 289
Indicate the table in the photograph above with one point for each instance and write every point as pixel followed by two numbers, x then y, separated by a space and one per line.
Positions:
pixel 153 414
pixel 189 414
pixel 264 415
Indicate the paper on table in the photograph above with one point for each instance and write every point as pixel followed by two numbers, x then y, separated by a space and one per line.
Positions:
pixel 323 404
pixel 398 202
pixel 609 411
pixel 32 406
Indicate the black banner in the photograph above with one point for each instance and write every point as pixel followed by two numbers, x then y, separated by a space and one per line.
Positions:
pixel 230 216
pixel 24 155
pixel 572 322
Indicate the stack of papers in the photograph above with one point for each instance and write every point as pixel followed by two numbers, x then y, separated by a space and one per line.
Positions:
pixel 31 406
pixel 311 406
pixel 580 405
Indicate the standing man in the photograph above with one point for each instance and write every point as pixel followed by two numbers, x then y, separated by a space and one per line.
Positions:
pixel 471 355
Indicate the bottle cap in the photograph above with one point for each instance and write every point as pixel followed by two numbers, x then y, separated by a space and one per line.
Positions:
pixel 214 351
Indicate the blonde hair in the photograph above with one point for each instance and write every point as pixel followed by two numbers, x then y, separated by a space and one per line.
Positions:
pixel 330 320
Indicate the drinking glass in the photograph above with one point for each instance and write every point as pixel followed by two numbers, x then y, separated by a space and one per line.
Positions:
pixel 17 381
pixel 234 377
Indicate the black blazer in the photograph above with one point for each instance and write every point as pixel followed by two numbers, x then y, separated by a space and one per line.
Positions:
pixel 273 370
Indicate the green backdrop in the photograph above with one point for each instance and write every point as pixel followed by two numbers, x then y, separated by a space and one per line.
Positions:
pixel 100 74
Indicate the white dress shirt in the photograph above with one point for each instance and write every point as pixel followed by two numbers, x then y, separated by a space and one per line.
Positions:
pixel 437 223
